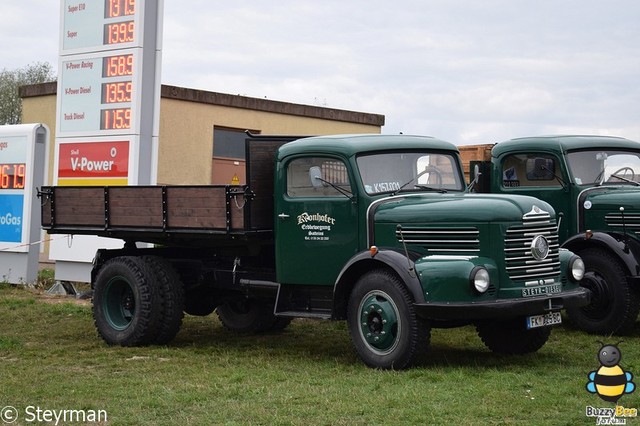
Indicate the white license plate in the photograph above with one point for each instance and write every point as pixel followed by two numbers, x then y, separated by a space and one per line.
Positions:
pixel 551 318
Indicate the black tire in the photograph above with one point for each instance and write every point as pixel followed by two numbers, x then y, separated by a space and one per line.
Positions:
pixel 246 315
pixel 511 336
pixel 127 306
pixel 614 302
pixel 172 294
pixel 385 330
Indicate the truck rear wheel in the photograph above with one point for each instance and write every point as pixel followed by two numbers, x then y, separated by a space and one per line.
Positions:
pixel 511 336
pixel 127 306
pixel 172 294
pixel 614 303
pixel 246 315
pixel 384 327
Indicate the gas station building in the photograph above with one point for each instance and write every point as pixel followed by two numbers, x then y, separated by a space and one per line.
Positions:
pixel 202 133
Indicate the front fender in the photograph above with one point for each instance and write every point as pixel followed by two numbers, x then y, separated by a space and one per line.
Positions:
pixel 447 278
pixel 625 248
pixel 363 262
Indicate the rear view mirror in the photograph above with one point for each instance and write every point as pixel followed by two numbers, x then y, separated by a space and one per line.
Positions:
pixel 540 168
pixel 315 174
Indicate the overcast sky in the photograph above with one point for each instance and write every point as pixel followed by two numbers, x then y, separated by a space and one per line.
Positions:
pixel 464 71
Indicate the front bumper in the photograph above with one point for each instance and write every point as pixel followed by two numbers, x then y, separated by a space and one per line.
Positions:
pixel 504 308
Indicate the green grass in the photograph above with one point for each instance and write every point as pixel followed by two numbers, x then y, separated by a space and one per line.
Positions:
pixel 51 357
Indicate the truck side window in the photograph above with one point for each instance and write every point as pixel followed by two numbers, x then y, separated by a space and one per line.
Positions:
pixel 529 170
pixel 299 182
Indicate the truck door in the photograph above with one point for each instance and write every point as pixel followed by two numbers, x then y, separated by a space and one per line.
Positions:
pixel 539 175
pixel 316 220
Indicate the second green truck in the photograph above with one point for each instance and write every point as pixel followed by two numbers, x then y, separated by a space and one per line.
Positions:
pixel 593 183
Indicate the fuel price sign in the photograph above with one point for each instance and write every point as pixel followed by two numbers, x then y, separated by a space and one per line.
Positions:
pixel 99 93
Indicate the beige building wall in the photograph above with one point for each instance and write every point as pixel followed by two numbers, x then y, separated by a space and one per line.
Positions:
pixel 188 117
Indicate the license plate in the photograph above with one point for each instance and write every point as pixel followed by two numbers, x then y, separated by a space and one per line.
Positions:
pixel 551 318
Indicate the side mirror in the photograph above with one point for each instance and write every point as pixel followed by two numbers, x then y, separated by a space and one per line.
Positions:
pixel 315 174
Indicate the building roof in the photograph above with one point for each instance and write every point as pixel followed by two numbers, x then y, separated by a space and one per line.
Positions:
pixel 237 101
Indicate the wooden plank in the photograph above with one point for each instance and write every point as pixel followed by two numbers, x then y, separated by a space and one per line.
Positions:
pixel 79 206
pixel 135 206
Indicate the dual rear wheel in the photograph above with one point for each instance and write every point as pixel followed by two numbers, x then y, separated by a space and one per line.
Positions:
pixel 140 300
pixel 137 301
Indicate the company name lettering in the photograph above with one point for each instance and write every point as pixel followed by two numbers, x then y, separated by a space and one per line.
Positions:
pixel 9 219
pixel 84 164
pixel 316 217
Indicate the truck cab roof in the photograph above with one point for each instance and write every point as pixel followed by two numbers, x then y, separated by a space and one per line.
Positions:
pixel 349 145
pixel 564 143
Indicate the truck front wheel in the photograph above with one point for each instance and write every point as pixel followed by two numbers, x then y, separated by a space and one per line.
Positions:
pixel 511 336
pixel 614 303
pixel 127 307
pixel 384 327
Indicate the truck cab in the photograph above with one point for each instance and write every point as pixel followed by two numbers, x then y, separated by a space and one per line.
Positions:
pixel 593 182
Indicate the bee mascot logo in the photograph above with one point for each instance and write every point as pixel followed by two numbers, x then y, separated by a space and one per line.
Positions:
pixel 610 381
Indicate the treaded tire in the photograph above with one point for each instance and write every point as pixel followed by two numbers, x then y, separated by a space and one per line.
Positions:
pixel 172 294
pixel 246 315
pixel 511 336
pixel 127 306
pixel 614 303
pixel 385 329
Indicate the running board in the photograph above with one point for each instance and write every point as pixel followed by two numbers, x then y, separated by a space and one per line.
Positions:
pixel 311 315
pixel 304 301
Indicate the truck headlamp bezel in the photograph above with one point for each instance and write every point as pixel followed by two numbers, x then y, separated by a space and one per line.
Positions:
pixel 480 279
pixel 576 268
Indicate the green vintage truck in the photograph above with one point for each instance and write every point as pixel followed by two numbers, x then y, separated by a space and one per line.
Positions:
pixel 376 230
pixel 593 182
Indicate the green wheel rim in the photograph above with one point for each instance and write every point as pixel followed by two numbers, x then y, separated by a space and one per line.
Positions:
pixel 380 327
pixel 119 303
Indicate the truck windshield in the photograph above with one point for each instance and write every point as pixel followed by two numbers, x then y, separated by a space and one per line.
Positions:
pixel 604 166
pixel 421 171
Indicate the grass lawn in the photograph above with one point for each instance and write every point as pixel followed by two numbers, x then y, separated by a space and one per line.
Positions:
pixel 52 358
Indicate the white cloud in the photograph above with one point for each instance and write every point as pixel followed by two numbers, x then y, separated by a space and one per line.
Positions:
pixel 455 69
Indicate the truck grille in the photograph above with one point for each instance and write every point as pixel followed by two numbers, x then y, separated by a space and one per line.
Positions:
pixel 520 263
pixel 631 221
pixel 441 240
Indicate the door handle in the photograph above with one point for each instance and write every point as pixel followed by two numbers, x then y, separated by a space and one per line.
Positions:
pixel 283 215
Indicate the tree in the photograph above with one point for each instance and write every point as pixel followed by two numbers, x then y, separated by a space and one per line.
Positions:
pixel 11 80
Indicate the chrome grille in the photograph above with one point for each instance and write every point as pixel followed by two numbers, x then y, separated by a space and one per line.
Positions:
pixel 441 240
pixel 520 263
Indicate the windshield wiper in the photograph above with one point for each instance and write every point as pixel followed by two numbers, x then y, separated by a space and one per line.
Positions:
pixel 426 170
pixel 343 191
pixel 626 179
pixel 430 188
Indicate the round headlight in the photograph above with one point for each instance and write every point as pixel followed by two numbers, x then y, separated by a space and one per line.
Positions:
pixel 539 247
pixel 480 279
pixel 576 268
